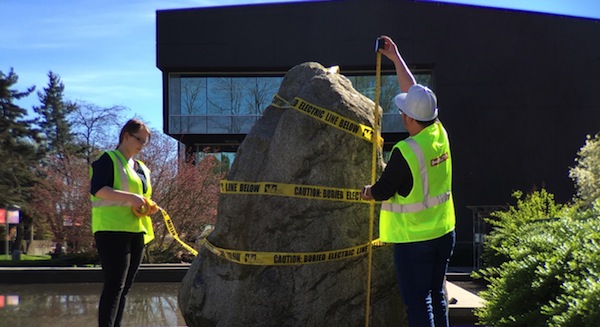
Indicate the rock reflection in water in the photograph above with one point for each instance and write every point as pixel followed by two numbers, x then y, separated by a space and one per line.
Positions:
pixel 45 305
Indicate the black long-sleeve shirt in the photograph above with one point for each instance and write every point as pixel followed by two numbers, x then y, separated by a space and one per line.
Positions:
pixel 396 178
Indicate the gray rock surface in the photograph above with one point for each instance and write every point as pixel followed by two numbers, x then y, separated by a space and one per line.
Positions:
pixel 287 146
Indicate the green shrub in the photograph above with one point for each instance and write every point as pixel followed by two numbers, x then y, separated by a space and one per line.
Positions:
pixel 579 302
pixel 551 276
pixel 536 206
pixel 544 270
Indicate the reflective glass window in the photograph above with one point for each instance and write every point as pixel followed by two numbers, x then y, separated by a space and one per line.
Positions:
pixel 226 104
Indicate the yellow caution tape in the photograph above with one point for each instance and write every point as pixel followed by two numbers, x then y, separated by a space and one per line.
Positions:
pixel 173 231
pixel 272 258
pixel 327 116
pixel 292 190
pixel 288 258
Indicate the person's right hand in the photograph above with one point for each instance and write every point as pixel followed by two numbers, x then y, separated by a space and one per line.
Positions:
pixel 137 201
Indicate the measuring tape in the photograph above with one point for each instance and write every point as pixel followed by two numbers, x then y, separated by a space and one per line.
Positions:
pixel 376 131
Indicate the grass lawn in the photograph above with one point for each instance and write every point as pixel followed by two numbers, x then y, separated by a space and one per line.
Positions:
pixel 26 257
pixel 46 260
pixel 6 260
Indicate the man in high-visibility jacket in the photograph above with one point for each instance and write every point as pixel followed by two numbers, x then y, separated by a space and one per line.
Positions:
pixel 417 212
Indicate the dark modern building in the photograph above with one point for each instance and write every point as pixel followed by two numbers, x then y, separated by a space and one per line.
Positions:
pixel 518 91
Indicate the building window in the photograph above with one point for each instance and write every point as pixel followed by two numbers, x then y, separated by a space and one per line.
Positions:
pixel 218 105
pixel 231 105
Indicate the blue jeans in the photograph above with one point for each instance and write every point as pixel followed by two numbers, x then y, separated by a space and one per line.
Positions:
pixel 421 270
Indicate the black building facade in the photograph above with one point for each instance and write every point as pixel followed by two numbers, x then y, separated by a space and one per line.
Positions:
pixel 518 92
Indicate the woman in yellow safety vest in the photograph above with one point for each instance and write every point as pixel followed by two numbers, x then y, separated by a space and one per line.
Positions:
pixel 120 183
pixel 417 212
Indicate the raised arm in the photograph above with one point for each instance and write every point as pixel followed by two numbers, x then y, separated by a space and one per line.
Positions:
pixel 405 77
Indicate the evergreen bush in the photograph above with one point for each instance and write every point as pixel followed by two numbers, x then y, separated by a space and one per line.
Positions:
pixel 536 206
pixel 551 277
pixel 543 259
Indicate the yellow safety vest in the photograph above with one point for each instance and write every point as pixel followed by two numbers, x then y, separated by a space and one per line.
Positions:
pixel 108 215
pixel 427 212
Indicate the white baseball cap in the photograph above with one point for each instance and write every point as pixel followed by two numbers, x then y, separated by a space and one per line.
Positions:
pixel 418 103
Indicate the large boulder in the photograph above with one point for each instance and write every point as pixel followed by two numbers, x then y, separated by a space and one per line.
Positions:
pixel 290 147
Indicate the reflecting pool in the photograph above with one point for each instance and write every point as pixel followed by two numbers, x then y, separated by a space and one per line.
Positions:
pixel 65 305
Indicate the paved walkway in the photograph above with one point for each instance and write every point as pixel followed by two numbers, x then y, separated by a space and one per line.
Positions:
pixel 461 311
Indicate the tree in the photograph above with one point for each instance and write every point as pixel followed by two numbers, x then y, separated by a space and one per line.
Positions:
pixel 586 174
pixel 54 118
pixel 17 144
pixel 95 127
pixel 62 201
pixel 187 190
pixel 59 199
pixel 18 149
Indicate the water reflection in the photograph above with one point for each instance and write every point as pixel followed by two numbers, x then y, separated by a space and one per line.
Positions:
pixel 45 305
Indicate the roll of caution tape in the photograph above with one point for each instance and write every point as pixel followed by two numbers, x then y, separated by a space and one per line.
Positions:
pixel 292 190
pixel 289 258
pixel 148 208
pixel 328 117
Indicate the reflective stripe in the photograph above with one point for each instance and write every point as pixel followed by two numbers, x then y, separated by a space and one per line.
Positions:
pixel 427 211
pixel 122 174
pixel 110 203
pixel 416 207
pixel 428 202
pixel 422 165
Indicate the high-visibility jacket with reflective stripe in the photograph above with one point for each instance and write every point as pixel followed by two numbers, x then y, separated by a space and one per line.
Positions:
pixel 108 215
pixel 427 212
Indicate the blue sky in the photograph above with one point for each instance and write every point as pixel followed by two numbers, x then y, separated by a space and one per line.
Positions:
pixel 105 50
pixel 576 8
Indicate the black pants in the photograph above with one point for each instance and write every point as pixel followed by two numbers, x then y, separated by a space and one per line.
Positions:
pixel 121 254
